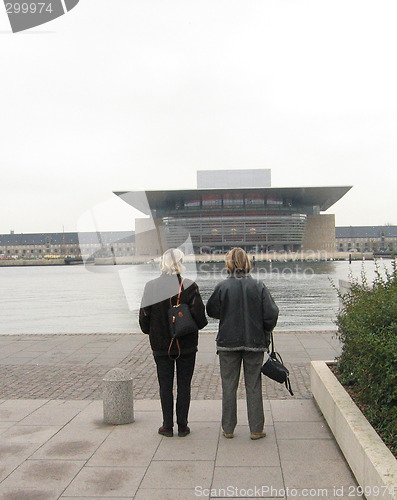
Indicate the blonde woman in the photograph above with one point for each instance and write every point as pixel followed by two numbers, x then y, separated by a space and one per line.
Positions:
pixel 247 314
pixel 158 296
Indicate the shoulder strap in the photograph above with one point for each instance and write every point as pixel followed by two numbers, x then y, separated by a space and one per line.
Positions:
pixel 169 349
pixel 180 291
pixel 288 386
pixel 272 342
pixel 178 300
pixel 287 380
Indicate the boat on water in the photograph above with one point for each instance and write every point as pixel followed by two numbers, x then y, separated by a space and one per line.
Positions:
pixel 73 260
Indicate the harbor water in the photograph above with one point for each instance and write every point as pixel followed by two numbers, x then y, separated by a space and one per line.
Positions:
pixel 105 299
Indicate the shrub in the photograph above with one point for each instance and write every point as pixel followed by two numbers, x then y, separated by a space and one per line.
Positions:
pixel 367 327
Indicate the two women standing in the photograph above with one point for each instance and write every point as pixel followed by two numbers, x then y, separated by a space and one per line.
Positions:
pixel 247 315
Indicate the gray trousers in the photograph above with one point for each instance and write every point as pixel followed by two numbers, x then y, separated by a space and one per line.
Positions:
pixel 230 365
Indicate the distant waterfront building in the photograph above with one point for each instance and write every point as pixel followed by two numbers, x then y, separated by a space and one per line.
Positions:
pixel 376 239
pixel 236 208
pixel 38 245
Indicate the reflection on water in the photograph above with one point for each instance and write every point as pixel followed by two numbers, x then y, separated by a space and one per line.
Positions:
pixel 75 299
pixel 302 291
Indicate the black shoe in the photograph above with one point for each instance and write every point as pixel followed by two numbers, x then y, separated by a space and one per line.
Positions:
pixel 166 432
pixel 183 431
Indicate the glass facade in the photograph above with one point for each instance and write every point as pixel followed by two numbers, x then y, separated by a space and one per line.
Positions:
pixel 266 233
pixel 217 220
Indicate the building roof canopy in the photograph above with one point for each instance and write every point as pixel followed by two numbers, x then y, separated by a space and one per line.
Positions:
pixel 323 197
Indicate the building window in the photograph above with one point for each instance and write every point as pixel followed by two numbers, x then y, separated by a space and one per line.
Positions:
pixel 232 199
pixel 192 204
pixel 255 199
pixel 273 200
pixel 211 200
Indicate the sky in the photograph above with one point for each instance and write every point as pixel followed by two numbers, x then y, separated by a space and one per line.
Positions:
pixel 122 95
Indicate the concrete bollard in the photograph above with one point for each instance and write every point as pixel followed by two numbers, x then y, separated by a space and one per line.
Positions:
pixel 118 399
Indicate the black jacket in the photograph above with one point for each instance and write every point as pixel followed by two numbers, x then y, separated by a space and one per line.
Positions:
pixel 153 314
pixel 247 313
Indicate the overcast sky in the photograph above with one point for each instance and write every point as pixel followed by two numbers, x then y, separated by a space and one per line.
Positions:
pixel 129 95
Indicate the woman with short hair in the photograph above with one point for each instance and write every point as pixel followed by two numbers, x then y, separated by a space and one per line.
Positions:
pixel 247 314
pixel 158 296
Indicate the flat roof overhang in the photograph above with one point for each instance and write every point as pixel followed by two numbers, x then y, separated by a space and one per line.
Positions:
pixel 323 197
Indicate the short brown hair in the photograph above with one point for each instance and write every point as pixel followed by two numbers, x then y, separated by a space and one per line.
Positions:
pixel 237 260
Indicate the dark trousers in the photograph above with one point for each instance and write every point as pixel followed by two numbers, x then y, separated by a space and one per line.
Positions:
pixel 165 374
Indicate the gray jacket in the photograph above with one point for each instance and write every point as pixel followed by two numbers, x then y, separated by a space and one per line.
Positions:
pixel 247 314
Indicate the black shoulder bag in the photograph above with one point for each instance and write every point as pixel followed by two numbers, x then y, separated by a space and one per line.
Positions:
pixel 180 320
pixel 274 368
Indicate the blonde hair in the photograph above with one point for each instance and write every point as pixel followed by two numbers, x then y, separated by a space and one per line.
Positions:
pixel 171 261
pixel 237 260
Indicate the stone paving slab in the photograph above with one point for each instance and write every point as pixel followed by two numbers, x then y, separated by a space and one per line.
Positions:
pixel 87 459
pixel 73 366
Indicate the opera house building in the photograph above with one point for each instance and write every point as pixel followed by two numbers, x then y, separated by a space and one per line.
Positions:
pixel 235 208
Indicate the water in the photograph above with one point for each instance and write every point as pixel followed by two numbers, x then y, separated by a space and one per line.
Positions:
pixel 105 299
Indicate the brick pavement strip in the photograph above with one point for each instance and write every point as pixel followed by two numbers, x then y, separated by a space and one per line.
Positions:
pixel 79 380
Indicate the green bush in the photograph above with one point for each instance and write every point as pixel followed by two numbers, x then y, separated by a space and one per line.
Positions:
pixel 367 327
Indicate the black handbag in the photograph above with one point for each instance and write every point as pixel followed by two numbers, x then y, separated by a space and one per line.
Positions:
pixel 180 320
pixel 274 368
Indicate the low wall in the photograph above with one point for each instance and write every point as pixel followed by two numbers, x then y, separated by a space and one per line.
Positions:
pixel 142 259
pixel 371 462
pixel 262 257
pixel 31 262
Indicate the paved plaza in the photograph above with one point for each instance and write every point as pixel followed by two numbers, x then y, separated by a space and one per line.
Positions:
pixel 54 444
pixel 72 366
